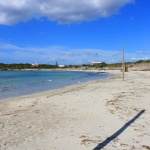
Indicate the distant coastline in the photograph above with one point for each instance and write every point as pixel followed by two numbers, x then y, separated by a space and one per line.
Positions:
pixel 141 65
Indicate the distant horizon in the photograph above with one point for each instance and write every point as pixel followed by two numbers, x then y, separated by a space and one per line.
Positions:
pixel 76 64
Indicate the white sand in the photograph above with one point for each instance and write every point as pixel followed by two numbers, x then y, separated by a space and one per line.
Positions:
pixel 80 117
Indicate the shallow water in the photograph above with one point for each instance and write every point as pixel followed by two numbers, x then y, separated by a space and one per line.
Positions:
pixel 18 83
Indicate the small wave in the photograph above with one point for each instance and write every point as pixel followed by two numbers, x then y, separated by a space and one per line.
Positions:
pixel 34 83
pixel 47 81
pixel 4 89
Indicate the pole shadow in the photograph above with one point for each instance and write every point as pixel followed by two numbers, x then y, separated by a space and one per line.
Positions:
pixel 116 134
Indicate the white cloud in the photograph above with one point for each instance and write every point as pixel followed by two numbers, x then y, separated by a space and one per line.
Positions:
pixel 139 52
pixel 62 11
pixel 65 55
pixel 10 53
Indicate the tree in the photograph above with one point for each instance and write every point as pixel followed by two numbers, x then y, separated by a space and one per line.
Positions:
pixel 56 64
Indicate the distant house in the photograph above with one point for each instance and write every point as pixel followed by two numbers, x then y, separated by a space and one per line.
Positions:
pixel 95 63
pixel 35 65
pixel 61 66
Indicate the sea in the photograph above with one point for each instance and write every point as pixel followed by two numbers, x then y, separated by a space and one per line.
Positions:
pixel 19 83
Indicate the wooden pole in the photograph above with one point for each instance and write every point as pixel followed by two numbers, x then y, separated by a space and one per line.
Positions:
pixel 123 63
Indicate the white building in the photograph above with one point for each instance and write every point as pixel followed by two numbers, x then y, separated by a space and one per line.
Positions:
pixel 61 66
pixel 96 62
pixel 36 64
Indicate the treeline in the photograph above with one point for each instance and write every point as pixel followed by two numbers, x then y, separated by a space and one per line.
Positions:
pixel 25 66
pixel 142 61
pixel 48 66
pixel 101 65
pixel 115 65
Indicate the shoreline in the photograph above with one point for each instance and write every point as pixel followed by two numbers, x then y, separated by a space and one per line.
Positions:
pixel 65 88
pixel 61 88
pixel 87 116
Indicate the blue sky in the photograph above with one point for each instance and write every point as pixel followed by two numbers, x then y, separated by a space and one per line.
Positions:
pixel 74 32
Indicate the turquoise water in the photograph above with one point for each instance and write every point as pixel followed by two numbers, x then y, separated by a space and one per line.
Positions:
pixel 18 83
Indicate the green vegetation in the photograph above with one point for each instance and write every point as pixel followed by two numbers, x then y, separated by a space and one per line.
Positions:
pixel 118 65
pixel 84 66
pixel 142 61
pixel 101 65
pixel 24 66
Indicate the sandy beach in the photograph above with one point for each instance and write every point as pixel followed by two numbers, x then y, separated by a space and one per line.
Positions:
pixel 107 114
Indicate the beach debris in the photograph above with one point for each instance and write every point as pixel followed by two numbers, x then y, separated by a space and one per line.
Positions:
pixel 87 142
pixel 146 147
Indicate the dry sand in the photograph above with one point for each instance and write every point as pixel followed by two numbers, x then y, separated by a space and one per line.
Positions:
pixel 110 114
